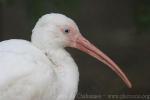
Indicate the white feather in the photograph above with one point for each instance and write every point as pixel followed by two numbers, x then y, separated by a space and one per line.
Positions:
pixel 41 70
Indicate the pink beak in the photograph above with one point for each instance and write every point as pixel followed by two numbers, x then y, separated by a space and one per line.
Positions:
pixel 84 45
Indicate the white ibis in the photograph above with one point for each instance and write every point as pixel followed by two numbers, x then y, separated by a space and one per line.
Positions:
pixel 42 69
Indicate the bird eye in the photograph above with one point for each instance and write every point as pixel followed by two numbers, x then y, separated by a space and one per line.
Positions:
pixel 66 30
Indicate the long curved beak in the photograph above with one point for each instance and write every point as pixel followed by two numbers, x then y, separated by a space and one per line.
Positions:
pixel 85 46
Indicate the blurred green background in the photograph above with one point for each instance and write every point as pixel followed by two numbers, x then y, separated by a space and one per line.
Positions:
pixel 120 28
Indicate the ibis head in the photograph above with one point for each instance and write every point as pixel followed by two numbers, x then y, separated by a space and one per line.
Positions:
pixel 58 31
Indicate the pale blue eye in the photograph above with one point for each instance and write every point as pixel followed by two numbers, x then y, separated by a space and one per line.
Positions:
pixel 66 30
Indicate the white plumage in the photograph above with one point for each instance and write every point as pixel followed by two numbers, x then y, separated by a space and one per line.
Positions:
pixel 29 75
pixel 42 69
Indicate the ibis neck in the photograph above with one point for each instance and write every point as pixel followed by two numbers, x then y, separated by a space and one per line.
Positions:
pixel 67 73
pixel 64 67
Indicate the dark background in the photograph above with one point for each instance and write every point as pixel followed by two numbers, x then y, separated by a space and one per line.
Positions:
pixel 120 28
